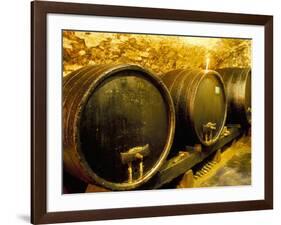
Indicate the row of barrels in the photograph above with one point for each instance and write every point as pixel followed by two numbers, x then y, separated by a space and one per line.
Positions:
pixel 121 121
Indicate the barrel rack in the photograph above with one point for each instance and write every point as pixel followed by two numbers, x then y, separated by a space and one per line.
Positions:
pixel 188 158
pixel 184 161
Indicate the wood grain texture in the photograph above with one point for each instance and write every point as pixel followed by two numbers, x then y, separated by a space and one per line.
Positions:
pixel 238 88
pixel 195 91
pixel 109 110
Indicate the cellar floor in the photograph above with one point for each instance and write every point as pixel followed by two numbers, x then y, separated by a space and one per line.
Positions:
pixel 233 169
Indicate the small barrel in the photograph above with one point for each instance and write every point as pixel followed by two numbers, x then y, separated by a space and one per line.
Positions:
pixel 119 124
pixel 200 104
pixel 238 89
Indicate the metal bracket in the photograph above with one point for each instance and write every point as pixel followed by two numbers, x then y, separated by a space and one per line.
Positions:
pixel 196 147
pixel 225 132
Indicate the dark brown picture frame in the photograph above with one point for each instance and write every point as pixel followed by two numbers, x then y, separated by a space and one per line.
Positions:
pixel 39 11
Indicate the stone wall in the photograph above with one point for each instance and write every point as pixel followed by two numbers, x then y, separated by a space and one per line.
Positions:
pixel 157 53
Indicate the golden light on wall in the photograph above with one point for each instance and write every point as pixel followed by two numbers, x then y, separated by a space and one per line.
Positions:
pixel 158 53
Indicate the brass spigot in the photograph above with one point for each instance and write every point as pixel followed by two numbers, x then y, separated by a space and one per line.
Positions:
pixel 132 155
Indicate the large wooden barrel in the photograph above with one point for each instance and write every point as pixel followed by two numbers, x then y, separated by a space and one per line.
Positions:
pixel 238 89
pixel 200 105
pixel 119 124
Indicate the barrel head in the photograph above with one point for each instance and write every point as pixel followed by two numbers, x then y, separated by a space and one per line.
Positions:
pixel 125 111
pixel 209 108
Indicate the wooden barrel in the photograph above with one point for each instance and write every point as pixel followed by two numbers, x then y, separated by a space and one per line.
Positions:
pixel 200 105
pixel 119 124
pixel 238 89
